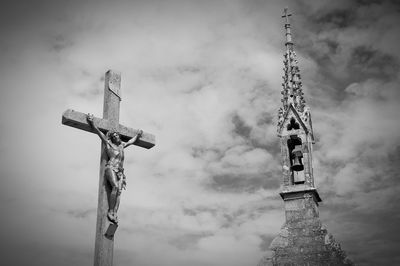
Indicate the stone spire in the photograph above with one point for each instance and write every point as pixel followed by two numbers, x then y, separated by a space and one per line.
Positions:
pixel 302 239
pixel 292 93
pixel 294 122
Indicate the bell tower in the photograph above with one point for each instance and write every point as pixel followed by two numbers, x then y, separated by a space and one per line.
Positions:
pixel 295 129
pixel 302 239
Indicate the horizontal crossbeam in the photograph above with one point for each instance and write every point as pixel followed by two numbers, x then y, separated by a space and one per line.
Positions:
pixel 79 120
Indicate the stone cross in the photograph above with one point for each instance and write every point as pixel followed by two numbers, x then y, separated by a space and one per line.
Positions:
pixel 105 229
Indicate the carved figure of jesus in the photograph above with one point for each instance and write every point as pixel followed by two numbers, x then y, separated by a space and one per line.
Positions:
pixel 114 170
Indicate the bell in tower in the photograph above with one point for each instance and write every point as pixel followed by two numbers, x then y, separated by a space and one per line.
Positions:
pixel 297 154
pixel 295 148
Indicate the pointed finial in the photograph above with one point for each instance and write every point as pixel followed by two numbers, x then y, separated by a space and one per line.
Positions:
pixel 292 93
pixel 286 15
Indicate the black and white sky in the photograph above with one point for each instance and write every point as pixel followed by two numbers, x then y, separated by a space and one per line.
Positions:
pixel 204 77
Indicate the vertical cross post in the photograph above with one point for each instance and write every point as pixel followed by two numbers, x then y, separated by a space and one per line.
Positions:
pixel 104 243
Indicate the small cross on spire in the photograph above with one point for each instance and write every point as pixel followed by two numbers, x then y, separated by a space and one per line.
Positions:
pixel 286 15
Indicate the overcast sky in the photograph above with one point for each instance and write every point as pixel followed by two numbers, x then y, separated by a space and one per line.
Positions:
pixel 205 78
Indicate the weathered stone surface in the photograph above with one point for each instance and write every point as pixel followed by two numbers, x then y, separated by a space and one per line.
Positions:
pixel 303 240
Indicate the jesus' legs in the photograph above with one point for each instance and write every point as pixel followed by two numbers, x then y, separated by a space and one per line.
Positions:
pixel 117 200
pixel 114 195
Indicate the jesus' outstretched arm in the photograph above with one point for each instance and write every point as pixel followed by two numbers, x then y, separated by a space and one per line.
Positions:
pixel 97 130
pixel 132 140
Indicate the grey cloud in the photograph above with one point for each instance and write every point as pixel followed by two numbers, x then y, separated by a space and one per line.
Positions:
pixel 188 69
pixel 229 221
pixel 265 242
pixel 188 241
pixel 240 127
pixel 366 63
pixel 377 229
pixel 59 43
pixel 244 183
pixel 339 18
pixel 198 151
pixel 94 89
pixel 272 147
pixel 238 215
pixel 24 254
pixel 81 214
pixel 226 218
pixel 244 130
pixel 265 119
pixel 336 36
pixel 200 209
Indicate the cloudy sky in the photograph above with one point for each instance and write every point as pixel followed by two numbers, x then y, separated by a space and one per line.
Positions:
pixel 204 77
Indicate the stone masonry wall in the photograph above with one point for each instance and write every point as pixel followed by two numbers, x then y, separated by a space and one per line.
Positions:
pixel 303 241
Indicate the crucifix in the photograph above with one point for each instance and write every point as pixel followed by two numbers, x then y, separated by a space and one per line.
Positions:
pixel 115 138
